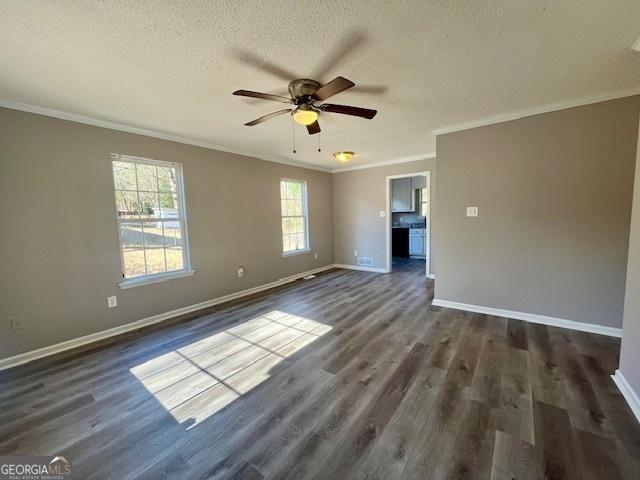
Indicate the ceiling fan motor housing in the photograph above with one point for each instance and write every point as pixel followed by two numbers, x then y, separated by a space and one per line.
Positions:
pixel 303 88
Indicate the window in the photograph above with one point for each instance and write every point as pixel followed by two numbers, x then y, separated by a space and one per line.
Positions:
pixel 424 198
pixel 295 232
pixel 151 217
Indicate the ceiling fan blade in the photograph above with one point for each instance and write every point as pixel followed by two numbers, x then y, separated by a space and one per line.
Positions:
pixel 313 128
pixel 347 110
pixel 335 86
pixel 265 96
pixel 267 117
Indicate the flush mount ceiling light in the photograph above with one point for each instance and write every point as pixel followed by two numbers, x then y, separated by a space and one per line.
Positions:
pixel 343 157
pixel 305 115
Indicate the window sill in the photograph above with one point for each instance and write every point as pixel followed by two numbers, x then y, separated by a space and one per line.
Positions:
pixel 161 277
pixel 296 252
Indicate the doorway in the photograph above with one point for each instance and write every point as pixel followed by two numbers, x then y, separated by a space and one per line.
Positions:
pixel 408 215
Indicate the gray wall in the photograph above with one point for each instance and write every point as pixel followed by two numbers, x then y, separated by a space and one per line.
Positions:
pixel 630 353
pixel 358 197
pixel 554 193
pixel 59 242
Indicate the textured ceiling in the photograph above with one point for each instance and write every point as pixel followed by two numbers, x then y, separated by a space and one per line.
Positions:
pixel 171 66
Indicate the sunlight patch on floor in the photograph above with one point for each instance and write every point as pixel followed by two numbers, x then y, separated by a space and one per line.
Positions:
pixel 197 380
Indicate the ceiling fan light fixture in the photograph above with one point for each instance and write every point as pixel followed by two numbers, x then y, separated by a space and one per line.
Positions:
pixel 343 157
pixel 305 116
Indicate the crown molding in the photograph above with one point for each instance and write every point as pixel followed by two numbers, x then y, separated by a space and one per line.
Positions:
pixel 123 127
pixel 546 108
pixel 481 122
pixel 412 158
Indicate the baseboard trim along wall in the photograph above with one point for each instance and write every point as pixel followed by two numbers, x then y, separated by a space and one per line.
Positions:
pixel 532 317
pixel 26 357
pixel 627 392
pixel 361 268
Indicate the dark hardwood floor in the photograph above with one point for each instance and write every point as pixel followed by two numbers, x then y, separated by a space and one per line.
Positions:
pixel 348 375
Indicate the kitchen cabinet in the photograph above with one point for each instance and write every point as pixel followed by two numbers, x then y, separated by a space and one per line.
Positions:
pixel 417 242
pixel 416 246
pixel 402 196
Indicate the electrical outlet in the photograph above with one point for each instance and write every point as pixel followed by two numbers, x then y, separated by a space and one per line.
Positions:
pixel 16 323
pixel 355 253
pixel 472 211
pixel 383 214
pixel 315 256
pixel 112 302
pixel 240 272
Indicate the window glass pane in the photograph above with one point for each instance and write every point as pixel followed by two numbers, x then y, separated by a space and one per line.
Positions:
pixel 423 202
pixel 149 205
pixel 173 244
pixel 295 190
pixel 175 259
pixel 172 233
pixel 133 263
pixel 286 246
pixel 301 241
pixel 124 175
pixel 168 200
pixel 131 240
pixel 167 180
pixel 154 247
pixel 147 178
pixel 290 226
pixel 131 236
pixel 291 207
pixel 127 205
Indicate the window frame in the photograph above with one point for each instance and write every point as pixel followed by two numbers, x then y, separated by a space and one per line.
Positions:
pixel 182 219
pixel 305 216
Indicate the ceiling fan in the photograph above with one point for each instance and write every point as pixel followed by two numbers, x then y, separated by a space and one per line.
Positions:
pixel 306 100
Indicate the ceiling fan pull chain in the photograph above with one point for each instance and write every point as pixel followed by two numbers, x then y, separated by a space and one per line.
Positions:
pixel 319 149
pixel 293 135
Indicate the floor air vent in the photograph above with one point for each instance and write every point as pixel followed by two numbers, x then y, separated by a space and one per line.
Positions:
pixel 365 261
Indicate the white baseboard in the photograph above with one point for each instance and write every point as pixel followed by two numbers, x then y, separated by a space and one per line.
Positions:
pixel 361 268
pixel 628 393
pixel 26 357
pixel 532 317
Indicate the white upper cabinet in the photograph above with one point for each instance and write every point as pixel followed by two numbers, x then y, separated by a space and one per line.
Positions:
pixel 402 198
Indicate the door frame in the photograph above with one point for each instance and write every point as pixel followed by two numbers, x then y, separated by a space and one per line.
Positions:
pixel 389 218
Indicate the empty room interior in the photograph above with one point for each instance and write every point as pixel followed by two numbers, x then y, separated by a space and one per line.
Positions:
pixel 320 240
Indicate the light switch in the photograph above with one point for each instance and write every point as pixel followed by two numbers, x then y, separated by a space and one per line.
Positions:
pixel 472 211
pixel 383 214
